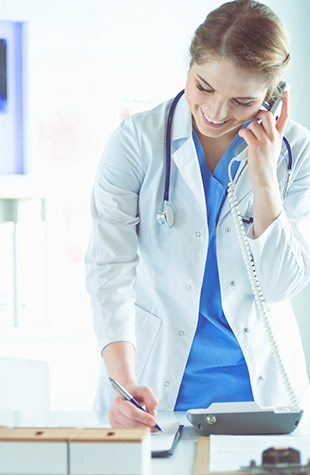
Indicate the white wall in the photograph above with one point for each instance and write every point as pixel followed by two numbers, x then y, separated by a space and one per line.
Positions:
pixel 89 62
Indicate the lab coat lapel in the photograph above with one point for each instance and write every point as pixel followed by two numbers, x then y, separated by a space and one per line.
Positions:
pixel 184 152
pixel 243 188
pixel 187 163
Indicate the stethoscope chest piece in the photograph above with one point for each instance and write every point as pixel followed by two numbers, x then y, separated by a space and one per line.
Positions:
pixel 166 216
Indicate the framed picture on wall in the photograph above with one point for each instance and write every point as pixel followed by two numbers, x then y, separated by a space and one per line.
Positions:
pixel 3 75
pixel 12 62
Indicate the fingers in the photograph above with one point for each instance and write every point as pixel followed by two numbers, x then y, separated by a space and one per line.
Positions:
pixel 146 395
pixel 265 127
pixel 125 414
pixel 248 135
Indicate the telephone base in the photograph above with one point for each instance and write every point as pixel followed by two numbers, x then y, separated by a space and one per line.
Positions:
pixel 244 418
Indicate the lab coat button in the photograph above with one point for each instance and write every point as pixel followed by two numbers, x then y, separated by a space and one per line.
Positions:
pixel 167 383
pixel 227 230
pixel 198 234
pixel 181 333
pixel 246 330
pixel 233 283
pixel 188 287
pixel 260 379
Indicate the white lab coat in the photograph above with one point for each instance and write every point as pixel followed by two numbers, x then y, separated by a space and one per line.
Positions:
pixel 145 278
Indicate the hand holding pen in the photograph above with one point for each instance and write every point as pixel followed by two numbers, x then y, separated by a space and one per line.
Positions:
pixel 128 397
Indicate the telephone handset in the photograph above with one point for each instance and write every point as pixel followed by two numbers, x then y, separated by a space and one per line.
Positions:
pixel 274 106
pixel 249 417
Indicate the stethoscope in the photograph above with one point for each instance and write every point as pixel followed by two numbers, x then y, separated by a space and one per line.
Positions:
pixel 166 214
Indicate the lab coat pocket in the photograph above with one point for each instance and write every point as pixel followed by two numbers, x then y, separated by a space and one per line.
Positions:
pixel 246 212
pixel 147 328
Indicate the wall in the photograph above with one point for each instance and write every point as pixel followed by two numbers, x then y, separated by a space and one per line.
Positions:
pixel 89 64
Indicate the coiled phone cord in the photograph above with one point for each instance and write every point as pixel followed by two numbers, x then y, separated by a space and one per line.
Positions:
pixel 255 285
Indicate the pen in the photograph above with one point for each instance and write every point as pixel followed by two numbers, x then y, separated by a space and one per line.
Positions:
pixel 126 395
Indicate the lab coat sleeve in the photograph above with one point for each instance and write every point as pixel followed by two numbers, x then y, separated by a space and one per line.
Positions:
pixel 282 253
pixel 111 256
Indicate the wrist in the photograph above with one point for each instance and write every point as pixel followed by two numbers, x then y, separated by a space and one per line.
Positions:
pixel 119 362
pixel 265 182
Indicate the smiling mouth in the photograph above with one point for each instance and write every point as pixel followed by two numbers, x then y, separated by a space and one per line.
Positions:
pixel 213 122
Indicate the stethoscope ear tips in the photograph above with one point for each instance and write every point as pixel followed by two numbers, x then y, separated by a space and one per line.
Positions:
pixel 166 216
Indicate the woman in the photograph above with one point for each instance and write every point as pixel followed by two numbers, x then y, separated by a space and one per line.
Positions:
pixel 174 311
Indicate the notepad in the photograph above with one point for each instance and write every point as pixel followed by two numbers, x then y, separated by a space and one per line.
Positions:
pixel 163 443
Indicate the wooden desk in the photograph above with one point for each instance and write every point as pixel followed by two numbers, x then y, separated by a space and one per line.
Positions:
pixel 182 462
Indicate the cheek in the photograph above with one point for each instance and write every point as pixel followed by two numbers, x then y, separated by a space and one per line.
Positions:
pixel 243 114
pixel 192 94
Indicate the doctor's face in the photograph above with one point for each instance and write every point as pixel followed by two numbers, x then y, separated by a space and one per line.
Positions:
pixel 222 97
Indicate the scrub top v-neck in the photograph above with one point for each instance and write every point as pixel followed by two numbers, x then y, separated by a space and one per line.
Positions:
pixel 216 370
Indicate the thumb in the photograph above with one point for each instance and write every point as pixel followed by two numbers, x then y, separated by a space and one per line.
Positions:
pixel 285 112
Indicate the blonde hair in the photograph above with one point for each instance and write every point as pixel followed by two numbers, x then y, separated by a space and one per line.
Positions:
pixel 248 33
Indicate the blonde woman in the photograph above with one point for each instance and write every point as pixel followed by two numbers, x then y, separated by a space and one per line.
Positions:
pixel 173 308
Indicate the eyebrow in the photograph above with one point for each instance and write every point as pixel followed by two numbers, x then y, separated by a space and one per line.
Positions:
pixel 239 97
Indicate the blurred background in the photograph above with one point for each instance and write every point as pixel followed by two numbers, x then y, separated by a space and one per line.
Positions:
pixel 74 70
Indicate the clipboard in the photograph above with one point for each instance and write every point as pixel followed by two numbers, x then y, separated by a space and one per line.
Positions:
pixel 161 453
pixel 254 454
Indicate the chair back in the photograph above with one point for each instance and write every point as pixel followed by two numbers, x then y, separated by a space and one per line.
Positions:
pixel 24 385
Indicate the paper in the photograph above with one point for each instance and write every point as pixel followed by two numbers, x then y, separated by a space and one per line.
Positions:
pixel 163 441
pixel 231 453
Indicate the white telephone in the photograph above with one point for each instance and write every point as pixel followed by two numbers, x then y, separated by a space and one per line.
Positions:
pixel 249 417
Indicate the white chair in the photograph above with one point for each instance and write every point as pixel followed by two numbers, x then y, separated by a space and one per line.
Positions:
pixel 24 385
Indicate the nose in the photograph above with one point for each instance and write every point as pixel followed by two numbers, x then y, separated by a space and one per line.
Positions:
pixel 217 109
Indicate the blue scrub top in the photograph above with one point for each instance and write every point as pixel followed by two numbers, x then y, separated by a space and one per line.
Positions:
pixel 216 370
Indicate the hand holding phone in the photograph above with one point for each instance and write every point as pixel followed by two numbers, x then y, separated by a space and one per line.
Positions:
pixel 274 107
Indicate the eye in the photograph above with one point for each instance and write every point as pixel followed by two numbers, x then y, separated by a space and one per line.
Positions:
pixel 202 89
pixel 243 104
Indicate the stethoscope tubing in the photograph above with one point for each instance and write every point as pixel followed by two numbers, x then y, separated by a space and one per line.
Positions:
pixel 162 215
pixel 168 144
